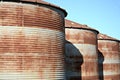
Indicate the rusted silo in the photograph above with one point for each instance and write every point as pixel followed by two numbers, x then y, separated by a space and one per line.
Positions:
pixel 109 48
pixel 119 46
pixel 81 52
pixel 31 40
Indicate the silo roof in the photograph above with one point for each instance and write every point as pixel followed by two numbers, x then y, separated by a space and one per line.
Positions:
pixel 72 24
pixel 39 2
pixel 106 37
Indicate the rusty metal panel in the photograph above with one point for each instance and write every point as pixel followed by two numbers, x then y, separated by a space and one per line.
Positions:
pixel 30 0
pixel 31 42
pixel 119 47
pixel 41 3
pixel 30 15
pixel 110 60
pixel 81 54
pixel 119 57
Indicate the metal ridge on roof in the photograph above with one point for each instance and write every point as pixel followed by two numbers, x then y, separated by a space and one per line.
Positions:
pixel 106 37
pixel 38 2
pixel 72 24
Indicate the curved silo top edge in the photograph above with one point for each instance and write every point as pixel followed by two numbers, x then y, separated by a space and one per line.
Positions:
pixel 74 25
pixel 38 2
pixel 83 29
pixel 106 37
pixel 110 40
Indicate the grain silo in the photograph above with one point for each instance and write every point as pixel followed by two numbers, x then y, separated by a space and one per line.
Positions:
pixel 109 48
pixel 119 56
pixel 81 52
pixel 119 47
pixel 31 40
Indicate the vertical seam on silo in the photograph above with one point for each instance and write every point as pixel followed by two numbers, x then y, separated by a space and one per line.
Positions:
pixel 22 15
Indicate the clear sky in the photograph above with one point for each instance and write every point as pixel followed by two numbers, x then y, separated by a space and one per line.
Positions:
pixel 103 15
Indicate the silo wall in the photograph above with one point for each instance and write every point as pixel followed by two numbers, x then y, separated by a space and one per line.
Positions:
pixel 31 41
pixel 119 47
pixel 109 48
pixel 119 58
pixel 81 54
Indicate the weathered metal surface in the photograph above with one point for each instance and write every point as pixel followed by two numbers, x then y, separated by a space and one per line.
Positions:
pixel 119 55
pixel 119 47
pixel 38 2
pixel 81 52
pixel 31 42
pixel 110 63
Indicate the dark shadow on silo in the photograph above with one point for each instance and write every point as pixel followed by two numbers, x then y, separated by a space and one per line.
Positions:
pixel 100 65
pixel 73 62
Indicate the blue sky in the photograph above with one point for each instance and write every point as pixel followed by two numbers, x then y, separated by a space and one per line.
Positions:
pixel 103 15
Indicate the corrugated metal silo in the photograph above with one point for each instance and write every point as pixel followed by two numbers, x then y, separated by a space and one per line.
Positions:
pixel 81 52
pixel 31 40
pixel 109 48
pixel 119 47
